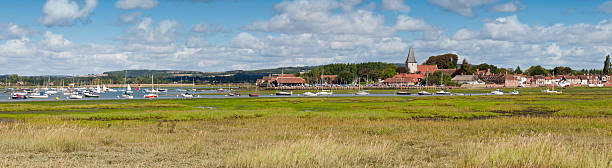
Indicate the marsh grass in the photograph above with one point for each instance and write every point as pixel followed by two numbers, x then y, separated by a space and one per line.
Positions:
pixel 575 130
pixel 542 150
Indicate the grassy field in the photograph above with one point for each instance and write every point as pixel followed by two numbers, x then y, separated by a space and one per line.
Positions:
pixel 573 129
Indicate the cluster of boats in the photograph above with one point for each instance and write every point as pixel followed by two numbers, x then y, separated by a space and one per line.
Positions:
pixel 444 92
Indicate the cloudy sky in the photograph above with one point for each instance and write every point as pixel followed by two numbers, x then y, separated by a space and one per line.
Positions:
pixel 56 37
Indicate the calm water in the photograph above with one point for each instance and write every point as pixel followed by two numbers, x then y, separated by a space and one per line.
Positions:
pixel 172 93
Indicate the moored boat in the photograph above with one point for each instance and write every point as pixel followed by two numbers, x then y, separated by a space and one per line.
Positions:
pixel 40 95
pixel 186 95
pixel 424 93
pixel 19 95
pixel 403 92
pixel 253 95
pixel 325 93
pixel 90 94
pixel 443 92
pixel 150 96
pixel 75 96
pixel 362 93
pixel 497 92
pixel 283 93
pixel 310 94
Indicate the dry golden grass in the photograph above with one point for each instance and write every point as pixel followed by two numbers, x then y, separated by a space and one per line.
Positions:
pixel 309 142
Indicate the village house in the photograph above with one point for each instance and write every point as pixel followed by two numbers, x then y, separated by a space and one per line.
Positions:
pixel 404 79
pixel 415 73
pixel 516 80
pixel 467 79
pixel 280 80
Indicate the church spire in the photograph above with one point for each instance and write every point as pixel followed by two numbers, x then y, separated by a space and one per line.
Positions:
pixel 411 58
pixel 411 63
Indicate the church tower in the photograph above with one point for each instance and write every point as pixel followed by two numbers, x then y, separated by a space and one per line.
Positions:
pixel 411 63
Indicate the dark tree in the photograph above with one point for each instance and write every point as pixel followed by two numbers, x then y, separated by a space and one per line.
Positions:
pixel 518 70
pixel 444 61
pixel 563 70
pixel 536 70
pixel 607 66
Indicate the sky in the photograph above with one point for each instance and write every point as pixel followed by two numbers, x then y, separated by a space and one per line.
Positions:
pixel 63 37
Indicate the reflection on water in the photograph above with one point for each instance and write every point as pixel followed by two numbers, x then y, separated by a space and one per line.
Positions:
pixel 173 93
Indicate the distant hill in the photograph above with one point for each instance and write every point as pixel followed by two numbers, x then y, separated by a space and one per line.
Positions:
pixel 227 76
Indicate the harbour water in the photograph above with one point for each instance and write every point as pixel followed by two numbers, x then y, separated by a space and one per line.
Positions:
pixel 173 93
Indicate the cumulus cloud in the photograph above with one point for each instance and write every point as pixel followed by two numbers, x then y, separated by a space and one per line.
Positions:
pixel 133 4
pixel 461 7
pixel 146 32
pixel 13 31
pixel 394 5
pixel 129 18
pixel 307 39
pixel 511 29
pixel 318 16
pixel 209 29
pixel 507 7
pixel 407 23
pixel 55 41
pixel 65 12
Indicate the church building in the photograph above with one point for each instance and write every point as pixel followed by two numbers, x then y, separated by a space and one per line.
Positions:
pixel 414 72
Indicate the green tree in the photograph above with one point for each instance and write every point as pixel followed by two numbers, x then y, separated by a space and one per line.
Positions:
pixel 518 70
pixel 536 70
pixel 438 78
pixel 14 78
pixel 607 66
pixel 465 68
pixel 444 61
pixel 345 77
pixel 563 70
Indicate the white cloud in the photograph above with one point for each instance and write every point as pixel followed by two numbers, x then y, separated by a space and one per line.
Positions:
pixel 464 34
pixel 506 7
pixel 348 5
pixel 209 29
pixel 246 40
pixel 407 23
pixel 318 16
pixel 461 7
pixel 129 18
pixel 147 32
pixel 13 31
pixel 394 5
pixel 55 41
pixel 133 4
pixel 65 12
pixel 196 42
pixel 16 48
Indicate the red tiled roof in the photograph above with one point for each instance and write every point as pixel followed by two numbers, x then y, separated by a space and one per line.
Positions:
pixel 291 80
pixel 329 76
pixel 427 68
pixel 407 75
pixel 447 71
pixel 401 80
pixel 286 75
pixel 405 78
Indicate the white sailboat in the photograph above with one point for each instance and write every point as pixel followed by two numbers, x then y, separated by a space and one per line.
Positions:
pixel 151 95
pixel 128 89
pixel 310 94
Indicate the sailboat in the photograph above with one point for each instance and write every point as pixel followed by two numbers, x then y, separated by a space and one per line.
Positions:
pixel 128 89
pixel 151 95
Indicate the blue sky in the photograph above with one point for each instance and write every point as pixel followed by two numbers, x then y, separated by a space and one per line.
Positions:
pixel 47 37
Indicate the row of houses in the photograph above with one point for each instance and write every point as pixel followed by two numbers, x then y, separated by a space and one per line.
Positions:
pixel 519 80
